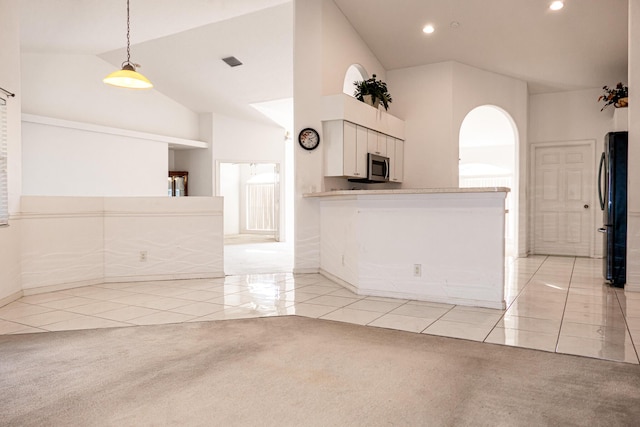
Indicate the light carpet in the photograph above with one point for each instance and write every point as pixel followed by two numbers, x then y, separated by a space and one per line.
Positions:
pixel 295 371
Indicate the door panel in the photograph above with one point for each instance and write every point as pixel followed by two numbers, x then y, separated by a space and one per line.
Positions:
pixel 563 187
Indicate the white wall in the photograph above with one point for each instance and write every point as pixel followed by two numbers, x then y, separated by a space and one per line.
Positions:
pixel 342 46
pixel 70 87
pixel 633 236
pixel 59 161
pixel 573 116
pixel 422 96
pixel 434 100
pixel 77 241
pixel 10 286
pixel 325 46
pixel 230 190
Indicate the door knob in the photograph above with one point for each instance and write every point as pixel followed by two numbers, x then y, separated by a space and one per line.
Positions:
pixel 586 206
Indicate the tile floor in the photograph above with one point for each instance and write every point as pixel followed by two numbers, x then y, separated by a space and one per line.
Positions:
pixel 556 304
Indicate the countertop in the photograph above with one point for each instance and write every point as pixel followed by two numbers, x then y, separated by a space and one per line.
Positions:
pixel 409 191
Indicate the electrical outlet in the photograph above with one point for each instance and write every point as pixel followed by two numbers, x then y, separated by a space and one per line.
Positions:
pixel 143 256
pixel 417 270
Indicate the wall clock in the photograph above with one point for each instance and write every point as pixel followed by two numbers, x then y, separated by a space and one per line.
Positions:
pixel 308 138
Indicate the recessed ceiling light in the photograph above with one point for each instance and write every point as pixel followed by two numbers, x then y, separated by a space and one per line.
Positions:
pixel 556 5
pixel 454 25
pixel 428 29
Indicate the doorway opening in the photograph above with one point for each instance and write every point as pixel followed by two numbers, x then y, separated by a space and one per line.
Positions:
pixel 488 157
pixel 254 237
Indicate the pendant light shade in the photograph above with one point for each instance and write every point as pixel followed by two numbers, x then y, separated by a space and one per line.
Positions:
pixel 128 77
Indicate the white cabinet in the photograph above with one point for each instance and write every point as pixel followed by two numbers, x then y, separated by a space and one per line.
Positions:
pixel 395 152
pixel 346 146
pixel 376 143
pixel 345 151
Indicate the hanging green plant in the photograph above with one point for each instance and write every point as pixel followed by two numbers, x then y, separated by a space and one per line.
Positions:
pixel 375 89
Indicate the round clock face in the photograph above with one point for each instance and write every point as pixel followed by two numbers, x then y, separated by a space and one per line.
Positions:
pixel 309 138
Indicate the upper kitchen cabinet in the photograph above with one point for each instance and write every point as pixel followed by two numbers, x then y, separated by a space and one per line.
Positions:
pixel 345 151
pixel 395 152
pixel 376 143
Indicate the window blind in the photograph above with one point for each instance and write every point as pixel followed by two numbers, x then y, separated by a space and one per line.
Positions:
pixel 4 204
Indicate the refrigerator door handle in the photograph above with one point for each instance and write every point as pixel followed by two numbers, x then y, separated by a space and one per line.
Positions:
pixel 602 160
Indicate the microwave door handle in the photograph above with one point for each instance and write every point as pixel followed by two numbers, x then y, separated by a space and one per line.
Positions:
pixel 602 160
pixel 386 169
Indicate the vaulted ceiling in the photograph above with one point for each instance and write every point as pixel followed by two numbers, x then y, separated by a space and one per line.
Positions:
pixel 180 43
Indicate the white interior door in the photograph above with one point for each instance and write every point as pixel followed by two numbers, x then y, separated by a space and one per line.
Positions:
pixel 563 191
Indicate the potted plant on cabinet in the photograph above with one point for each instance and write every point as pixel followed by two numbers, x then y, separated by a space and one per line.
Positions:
pixel 372 92
pixel 618 96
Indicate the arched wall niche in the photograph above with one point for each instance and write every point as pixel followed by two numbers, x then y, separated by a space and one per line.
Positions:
pixel 355 72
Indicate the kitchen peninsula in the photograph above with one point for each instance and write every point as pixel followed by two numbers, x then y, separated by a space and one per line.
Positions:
pixel 441 245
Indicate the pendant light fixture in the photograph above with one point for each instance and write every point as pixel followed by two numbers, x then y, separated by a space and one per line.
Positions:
pixel 128 77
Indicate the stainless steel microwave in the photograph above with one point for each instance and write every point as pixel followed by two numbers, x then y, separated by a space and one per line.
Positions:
pixel 377 169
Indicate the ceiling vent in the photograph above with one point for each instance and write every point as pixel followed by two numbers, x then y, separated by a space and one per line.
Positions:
pixel 232 61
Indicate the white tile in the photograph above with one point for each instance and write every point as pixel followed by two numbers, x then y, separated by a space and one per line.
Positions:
pixel 402 323
pixel 17 310
pixel 96 307
pixel 317 289
pixel 475 318
pixel 423 311
pixel 126 313
pixel 373 305
pixel 457 330
pixel 614 334
pixel 162 317
pixel 199 308
pixel 622 352
pixel 40 298
pixel 431 304
pixel 228 314
pixel 84 322
pixel 530 324
pixel 47 318
pixel 332 301
pixel 345 293
pixel 522 338
pixel 164 303
pixel 299 296
pixel 348 315
pixel 199 295
pixel 613 318
pixel 66 302
pixel 7 327
pixel 310 310
pixel 28 330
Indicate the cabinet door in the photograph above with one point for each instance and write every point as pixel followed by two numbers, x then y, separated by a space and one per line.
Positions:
pixel 376 143
pixel 350 163
pixel 391 153
pixel 398 164
pixel 361 151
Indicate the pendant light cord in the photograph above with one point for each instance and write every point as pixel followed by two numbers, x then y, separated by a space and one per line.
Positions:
pixel 128 37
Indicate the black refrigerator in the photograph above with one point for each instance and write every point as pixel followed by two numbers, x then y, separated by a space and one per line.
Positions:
pixel 612 189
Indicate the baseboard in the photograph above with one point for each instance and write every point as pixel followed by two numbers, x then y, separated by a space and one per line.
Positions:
pixel 11 298
pixel 339 281
pixel 415 297
pixel 61 286
pixel 163 277
pixel 306 270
